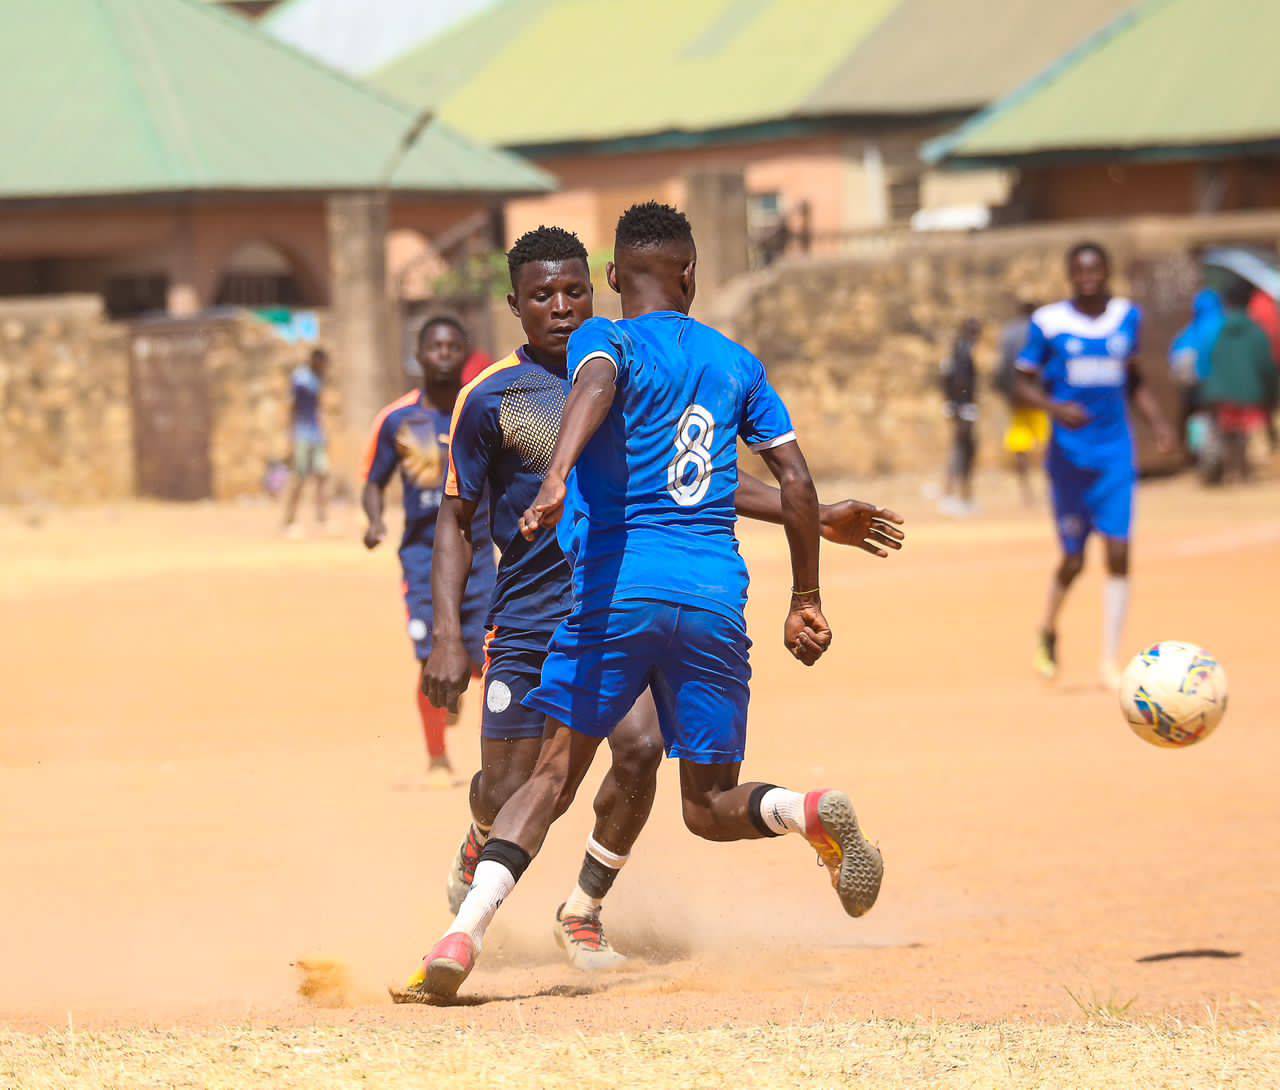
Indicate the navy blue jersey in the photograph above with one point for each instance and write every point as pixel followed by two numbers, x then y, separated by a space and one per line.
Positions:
pixel 505 427
pixel 652 497
pixel 411 435
pixel 1087 360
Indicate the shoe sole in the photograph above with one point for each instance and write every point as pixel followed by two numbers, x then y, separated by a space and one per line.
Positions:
pixel 456 890
pixel 861 864
pixel 445 977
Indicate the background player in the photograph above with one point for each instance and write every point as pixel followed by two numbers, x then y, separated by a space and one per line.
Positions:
pixel 1079 364
pixel 504 430
pixel 306 429
pixel 659 585
pixel 413 434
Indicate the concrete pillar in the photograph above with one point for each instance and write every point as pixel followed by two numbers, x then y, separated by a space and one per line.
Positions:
pixel 361 310
pixel 716 204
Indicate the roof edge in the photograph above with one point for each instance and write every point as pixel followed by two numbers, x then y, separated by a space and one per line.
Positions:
pixel 937 151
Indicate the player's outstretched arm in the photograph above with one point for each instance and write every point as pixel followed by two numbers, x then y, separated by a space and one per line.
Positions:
pixel 865 526
pixel 806 632
pixel 371 499
pixel 447 671
pixel 589 403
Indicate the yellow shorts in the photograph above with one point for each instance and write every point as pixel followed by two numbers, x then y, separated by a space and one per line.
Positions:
pixel 1028 431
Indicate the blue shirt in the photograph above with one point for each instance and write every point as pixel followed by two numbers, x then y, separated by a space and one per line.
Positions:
pixel 412 436
pixel 653 493
pixel 305 385
pixel 505 426
pixel 1087 360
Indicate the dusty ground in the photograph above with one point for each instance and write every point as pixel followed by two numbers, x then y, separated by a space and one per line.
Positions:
pixel 209 768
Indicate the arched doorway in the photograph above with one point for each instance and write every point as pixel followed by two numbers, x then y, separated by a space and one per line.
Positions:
pixel 259 274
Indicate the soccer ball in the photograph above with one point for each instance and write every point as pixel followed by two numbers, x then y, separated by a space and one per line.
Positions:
pixel 1173 694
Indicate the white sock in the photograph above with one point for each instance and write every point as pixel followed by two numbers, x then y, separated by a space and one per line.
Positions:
pixel 782 810
pixel 607 865
pixel 492 885
pixel 1115 610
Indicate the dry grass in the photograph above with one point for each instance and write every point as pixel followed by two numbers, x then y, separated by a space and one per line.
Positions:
pixel 870 1054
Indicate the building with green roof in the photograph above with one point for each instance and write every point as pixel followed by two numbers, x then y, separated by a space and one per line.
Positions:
pixel 823 106
pixel 150 144
pixel 1174 107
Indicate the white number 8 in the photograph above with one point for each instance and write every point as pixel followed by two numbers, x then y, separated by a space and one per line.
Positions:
pixel 693 448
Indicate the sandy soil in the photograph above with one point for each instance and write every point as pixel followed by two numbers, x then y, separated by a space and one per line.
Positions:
pixel 210 767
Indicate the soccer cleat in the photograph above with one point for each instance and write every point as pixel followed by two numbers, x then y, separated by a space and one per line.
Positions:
pixel 855 865
pixel 583 940
pixel 1046 661
pixel 444 969
pixel 463 870
pixel 440 774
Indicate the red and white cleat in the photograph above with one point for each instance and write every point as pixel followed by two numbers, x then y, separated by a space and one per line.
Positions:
pixel 583 940
pixel 463 870
pixel 855 865
pixel 445 968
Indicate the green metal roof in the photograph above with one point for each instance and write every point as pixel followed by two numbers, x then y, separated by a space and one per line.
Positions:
pixel 931 56
pixel 1175 78
pixel 532 73
pixel 549 71
pixel 163 96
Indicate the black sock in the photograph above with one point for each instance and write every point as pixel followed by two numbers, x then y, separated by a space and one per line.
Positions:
pixel 509 854
pixel 595 878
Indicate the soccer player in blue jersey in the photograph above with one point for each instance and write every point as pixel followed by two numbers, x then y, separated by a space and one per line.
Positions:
pixel 504 431
pixel 652 424
pixel 412 434
pixel 1079 365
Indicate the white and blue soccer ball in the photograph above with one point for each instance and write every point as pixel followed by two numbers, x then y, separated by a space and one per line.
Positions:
pixel 1173 694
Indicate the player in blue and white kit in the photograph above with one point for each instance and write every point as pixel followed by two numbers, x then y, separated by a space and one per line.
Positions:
pixel 412 435
pixel 1080 365
pixel 309 445
pixel 650 434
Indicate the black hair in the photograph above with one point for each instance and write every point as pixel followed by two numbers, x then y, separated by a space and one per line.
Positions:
pixel 651 224
pixel 443 319
pixel 1089 247
pixel 544 244
pixel 1237 292
pixel 318 354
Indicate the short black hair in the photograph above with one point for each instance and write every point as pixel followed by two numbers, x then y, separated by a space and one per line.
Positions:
pixel 1089 247
pixel 443 319
pixel 1237 292
pixel 544 243
pixel 651 224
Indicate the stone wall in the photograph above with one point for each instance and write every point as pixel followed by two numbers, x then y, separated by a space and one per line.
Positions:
pixel 67 405
pixel 854 343
pixel 65 421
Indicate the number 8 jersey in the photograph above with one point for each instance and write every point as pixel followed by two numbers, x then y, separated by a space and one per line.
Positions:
pixel 651 511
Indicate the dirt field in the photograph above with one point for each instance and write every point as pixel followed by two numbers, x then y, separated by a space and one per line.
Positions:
pixel 210 768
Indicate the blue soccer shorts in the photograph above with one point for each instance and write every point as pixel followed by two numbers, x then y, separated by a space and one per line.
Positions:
pixel 415 563
pixel 1085 500
pixel 512 669
pixel 694 660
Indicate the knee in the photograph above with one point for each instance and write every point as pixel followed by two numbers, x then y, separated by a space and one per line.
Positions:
pixel 699 819
pixel 1070 567
pixel 636 761
pixel 1118 558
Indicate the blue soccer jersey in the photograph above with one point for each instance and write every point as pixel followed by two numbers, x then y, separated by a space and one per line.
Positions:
pixel 1086 360
pixel 505 427
pixel 652 497
pixel 305 386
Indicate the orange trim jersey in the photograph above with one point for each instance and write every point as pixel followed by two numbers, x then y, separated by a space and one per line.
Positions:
pixel 505 427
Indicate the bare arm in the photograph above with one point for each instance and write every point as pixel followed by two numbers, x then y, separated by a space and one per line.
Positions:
pixel 846 522
pixel 1029 394
pixel 1145 402
pixel 372 499
pixel 588 405
pixel 447 672
pixel 806 632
